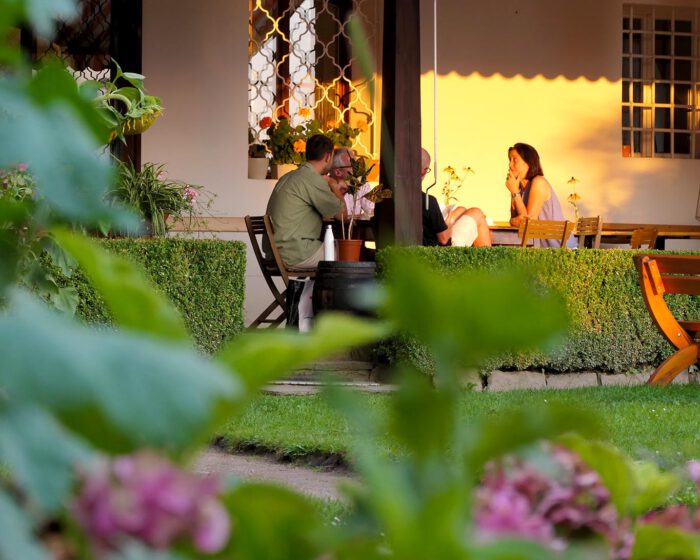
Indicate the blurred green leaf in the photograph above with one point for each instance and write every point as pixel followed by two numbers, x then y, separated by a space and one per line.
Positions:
pixel 69 176
pixel 43 13
pixel 136 551
pixel 659 543
pixel 273 523
pixel 132 300
pixel 66 300
pixel 118 390
pixel 614 468
pixel 653 488
pixel 17 541
pixel 53 84
pixel 512 549
pixel 494 437
pixel 262 357
pixel 40 454
pixel 470 316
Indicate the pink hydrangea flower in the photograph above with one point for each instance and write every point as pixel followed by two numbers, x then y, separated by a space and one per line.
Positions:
pixel 145 497
pixel 518 499
pixel 190 195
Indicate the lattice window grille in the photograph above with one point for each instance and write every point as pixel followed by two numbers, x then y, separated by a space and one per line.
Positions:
pixel 660 81
pixel 299 58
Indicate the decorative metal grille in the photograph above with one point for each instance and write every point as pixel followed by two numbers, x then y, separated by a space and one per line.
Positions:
pixel 300 58
pixel 85 43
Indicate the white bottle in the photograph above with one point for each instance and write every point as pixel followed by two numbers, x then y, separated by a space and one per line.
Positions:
pixel 328 244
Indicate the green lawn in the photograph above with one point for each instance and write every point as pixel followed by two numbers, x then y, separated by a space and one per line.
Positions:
pixel 645 422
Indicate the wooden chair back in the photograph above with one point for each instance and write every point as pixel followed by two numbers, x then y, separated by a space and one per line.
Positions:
pixel 262 235
pixel 589 227
pixel 644 236
pixel 545 229
pixel 671 274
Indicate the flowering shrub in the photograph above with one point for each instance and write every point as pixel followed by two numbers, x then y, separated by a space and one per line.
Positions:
pixel 17 183
pixel 147 498
pixel 154 196
pixel 287 143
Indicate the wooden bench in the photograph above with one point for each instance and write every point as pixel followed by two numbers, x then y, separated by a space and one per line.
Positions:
pixel 671 274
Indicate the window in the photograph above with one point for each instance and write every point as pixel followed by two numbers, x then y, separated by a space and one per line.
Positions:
pixel 300 58
pixel 660 82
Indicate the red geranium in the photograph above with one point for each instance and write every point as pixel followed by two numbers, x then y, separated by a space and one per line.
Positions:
pixel 265 122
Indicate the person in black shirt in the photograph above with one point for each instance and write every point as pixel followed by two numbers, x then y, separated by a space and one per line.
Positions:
pixel 437 232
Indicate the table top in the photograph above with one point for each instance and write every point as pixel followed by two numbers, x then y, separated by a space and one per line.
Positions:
pixel 620 229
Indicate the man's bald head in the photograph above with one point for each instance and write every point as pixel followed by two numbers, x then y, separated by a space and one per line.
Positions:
pixel 424 162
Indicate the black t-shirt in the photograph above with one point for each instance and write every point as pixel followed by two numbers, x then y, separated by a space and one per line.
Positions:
pixel 433 222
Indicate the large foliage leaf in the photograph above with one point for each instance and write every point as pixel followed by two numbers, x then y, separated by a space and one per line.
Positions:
pixel 40 455
pixel 614 469
pixel 272 523
pixel 17 541
pixel 660 543
pixel 132 300
pixel 70 176
pixel 42 13
pixel 117 389
pixel 263 357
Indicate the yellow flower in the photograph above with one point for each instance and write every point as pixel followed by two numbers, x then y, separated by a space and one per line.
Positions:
pixel 449 169
pixel 362 126
pixel 299 146
pixel 573 198
pixel 572 181
pixel 304 112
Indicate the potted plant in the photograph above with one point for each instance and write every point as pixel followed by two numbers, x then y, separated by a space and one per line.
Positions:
pixel 125 109
pixel 349 248
pixel 257 162
pixel 155 197
pixel 286 143
pixel 454 183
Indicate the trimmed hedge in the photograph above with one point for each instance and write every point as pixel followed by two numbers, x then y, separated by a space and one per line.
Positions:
pixel 205 279
pixel 610 330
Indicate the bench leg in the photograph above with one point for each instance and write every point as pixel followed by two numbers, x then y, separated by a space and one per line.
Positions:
pixel 675 364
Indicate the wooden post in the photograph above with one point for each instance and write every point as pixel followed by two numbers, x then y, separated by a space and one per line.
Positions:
pixel 400 218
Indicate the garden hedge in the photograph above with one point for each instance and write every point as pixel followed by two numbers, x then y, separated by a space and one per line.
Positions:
pixel 610 328
pixel 205 279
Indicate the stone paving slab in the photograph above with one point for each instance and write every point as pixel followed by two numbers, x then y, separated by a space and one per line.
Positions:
pixel 572 380
pixel 513 380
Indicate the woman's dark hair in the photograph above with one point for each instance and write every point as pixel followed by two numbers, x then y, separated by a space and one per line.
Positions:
pixel 531 157
pixel 318 146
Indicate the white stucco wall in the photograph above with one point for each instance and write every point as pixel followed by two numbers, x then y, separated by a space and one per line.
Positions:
pixel 546 72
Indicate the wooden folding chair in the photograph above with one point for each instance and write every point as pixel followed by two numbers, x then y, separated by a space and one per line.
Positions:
pixel 545 229
pixel 644 236
pixel 589 227
pixel 261 227
pixel 671 274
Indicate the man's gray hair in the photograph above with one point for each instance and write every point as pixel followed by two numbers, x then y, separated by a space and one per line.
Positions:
pixel 338 158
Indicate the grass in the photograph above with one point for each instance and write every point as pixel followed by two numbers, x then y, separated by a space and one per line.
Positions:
pixel 645 422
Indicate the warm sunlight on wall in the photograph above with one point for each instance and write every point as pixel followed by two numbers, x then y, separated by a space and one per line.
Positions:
pixel 575 126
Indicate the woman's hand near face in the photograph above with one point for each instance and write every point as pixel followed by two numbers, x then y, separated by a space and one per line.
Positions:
pixel 513 182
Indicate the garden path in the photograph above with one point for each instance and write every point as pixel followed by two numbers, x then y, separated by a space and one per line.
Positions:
pixel 313 482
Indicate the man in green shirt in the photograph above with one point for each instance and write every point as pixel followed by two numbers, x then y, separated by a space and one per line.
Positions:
pixel 300 201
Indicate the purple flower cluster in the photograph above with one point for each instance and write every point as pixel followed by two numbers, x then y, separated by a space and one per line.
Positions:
pixel 568 500
pixel 679 516
pixel 147 498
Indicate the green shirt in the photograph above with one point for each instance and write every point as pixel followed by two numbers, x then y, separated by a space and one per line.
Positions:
pixel 299 202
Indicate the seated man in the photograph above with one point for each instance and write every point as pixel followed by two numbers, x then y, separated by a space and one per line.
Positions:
pixel 300 201
pixel 457 226
pixel 340 170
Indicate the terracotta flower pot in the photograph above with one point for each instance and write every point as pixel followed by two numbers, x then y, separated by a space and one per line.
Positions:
pixel 349 249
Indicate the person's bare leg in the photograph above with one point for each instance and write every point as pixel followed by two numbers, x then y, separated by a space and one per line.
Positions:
pixel 483 239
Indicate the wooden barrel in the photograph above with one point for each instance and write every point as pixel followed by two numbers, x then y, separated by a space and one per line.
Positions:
pixel 338 284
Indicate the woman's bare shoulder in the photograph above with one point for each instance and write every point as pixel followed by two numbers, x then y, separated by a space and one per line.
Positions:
pixel 540 183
